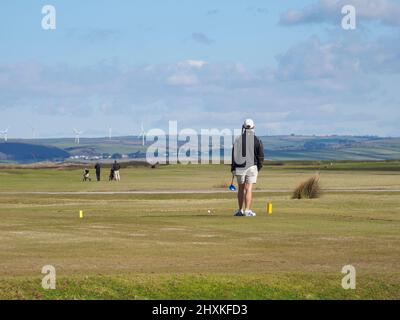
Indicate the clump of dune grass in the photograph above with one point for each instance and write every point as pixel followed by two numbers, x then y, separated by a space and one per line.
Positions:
pixel 309 189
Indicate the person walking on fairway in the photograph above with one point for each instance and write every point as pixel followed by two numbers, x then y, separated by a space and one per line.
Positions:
pixel 247 161
pixel 98 170
pixel 116 168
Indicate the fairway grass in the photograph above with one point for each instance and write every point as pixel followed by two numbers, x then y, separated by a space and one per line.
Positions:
pixel 167 246
pixel 379 175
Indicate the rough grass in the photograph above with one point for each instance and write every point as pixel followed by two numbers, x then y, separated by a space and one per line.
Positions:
pixel 309 189
pixel 200 287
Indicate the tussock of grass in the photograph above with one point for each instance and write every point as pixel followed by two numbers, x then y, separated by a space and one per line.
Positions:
pixel 309 189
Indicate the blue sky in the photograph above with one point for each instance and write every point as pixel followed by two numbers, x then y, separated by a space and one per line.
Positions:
pixel 208 64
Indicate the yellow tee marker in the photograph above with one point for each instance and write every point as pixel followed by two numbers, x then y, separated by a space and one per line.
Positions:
pixel 269 207
pixel 81 214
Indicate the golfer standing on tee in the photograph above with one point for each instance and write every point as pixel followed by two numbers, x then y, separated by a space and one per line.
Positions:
pixel 247 161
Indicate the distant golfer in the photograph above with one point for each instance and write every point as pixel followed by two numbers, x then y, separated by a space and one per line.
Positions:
pixel 116 168
pixel 247 161
pixel 98 171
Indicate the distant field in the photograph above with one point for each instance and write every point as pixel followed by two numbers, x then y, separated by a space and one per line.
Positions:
pixel 278 148
pixel 151 246
pixel 278 176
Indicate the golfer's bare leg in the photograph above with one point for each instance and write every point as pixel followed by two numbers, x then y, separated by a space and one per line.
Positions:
pixel 241 196
pixel 248 187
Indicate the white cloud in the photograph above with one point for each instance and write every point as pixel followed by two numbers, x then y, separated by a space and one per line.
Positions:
pixel 192 63
pixel 317 87
pixel 183 80
pixel 384 11
pixel 343 59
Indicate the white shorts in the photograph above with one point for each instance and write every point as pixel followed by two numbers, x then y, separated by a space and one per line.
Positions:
pixel 248 175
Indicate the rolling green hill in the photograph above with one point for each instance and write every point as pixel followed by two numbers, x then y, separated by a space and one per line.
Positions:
pixel 24 152
pixel 278 148
pixel 331 148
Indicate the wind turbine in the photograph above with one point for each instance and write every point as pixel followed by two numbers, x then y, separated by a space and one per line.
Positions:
pixel 4 133
pixel 142 134
pixel 77 135
pixel 33 133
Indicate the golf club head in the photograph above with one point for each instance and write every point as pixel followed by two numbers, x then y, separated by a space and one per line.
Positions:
pixel 232 187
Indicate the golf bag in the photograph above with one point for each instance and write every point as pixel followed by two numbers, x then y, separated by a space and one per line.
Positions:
pixel 112 175
pixel 86 175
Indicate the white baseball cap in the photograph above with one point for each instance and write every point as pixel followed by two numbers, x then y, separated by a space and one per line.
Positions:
pixel 248 124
